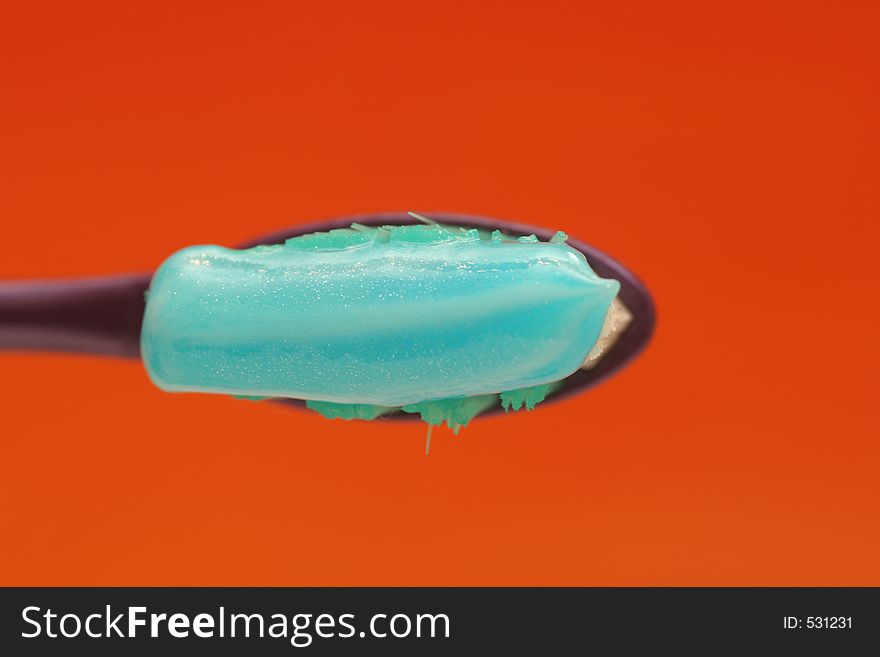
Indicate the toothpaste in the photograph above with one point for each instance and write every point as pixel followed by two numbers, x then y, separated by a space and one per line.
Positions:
pixel 384 317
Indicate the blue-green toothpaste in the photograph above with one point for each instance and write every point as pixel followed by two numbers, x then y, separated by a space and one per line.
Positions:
pixel 431 319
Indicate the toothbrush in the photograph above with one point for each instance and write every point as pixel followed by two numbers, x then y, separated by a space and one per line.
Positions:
pixel 105 315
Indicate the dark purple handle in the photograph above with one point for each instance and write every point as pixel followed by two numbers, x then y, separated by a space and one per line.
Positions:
pixel 92 315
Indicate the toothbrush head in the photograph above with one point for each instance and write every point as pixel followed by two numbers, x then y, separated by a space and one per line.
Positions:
pixel 630 322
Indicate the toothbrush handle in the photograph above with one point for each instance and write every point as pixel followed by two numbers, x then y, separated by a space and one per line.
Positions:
pixel 99 315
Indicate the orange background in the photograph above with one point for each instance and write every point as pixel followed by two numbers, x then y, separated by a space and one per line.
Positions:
pixel 726 152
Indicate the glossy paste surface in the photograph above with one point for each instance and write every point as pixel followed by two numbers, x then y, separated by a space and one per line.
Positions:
pixel 388 316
